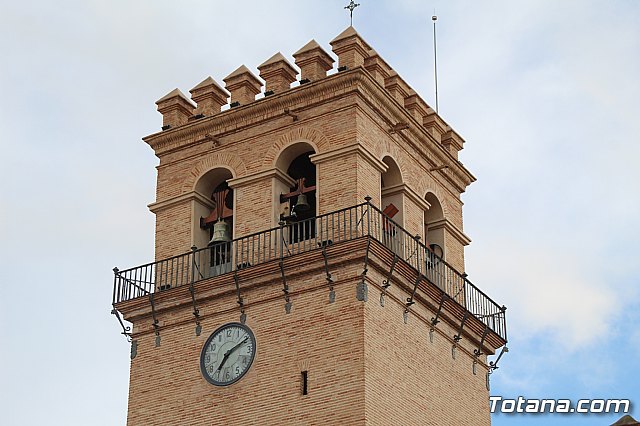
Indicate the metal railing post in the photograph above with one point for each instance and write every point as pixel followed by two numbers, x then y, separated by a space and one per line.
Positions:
pixel 116 282
pixel 368 200
pixel 193 263
pixel 281 239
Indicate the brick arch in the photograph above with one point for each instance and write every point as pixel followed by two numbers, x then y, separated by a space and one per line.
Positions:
pixel 388 149
pixel 211 161
pixel 315 138
pixel 427 184
pixel 398 165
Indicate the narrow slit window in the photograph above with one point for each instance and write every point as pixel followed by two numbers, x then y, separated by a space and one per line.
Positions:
pixel 305 388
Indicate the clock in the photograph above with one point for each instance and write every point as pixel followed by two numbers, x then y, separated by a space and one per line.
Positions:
pixel 228 354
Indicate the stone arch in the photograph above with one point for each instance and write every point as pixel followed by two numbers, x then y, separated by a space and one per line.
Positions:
pixel 399 157
pixel 210 162
pixel 290 152
pixel 393 175
pixel 313 137
pixel 214 201
pixel 295 161
pixel 436 211
pixel 392 202
pixel 434 225
pixel 426 185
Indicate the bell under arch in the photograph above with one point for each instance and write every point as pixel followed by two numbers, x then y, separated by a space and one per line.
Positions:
pixel 298 198
pixel 214 203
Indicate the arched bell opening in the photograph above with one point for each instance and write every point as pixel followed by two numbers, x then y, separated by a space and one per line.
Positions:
pixel 300 204
pixel 216 222
pixel 391 191
pixel 434 226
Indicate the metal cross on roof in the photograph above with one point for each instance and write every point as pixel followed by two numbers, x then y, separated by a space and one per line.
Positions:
pixel 352 5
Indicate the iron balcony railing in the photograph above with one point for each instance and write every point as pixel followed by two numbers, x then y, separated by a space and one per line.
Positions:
pixel 363 220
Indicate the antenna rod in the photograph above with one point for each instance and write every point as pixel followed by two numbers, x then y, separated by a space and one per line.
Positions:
pixel 434 18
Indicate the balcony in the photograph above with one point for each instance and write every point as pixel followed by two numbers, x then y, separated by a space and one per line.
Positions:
pixel 363 221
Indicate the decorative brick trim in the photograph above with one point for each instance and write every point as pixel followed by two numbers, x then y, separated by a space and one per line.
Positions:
pixel 212 161
pixel 424 187
pixel 356 80
pixel 314 137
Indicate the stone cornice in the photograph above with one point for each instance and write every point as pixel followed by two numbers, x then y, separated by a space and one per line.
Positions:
pixel 409 192
pixel 452 229
pixel 305 96
pixel 245 116
pixel 347 150
pixel 389 107
pixel 255 177
pixel 170 202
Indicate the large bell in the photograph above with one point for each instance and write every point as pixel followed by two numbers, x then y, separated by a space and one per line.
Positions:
pixel 221 233
pixel 302 205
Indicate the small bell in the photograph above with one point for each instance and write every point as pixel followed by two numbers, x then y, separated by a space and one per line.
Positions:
pixel 221 233
pixel 302 205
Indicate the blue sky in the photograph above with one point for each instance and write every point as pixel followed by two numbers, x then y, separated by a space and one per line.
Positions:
pixel 544 92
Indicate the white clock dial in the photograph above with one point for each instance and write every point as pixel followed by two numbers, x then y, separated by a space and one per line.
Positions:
pixel 227 354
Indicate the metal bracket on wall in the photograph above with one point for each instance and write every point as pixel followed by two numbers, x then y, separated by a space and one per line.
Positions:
pixel 332 293
pixel 285 289
pixel 362 291
pixel 192 290
pixel 156 327
pixel 478 352
pixel 196 311
pixel 435 320
pixel 126 330
pixel 458 337
pixel 239 301
pixel 387 282
pixel 493 365
pixel 410 301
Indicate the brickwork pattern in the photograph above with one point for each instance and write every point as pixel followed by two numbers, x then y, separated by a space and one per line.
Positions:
pixel 365 365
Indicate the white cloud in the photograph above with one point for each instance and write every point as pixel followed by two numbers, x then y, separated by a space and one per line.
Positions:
pixel 547 291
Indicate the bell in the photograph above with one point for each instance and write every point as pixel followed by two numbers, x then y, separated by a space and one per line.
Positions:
pixel 221 233
pixel 302 205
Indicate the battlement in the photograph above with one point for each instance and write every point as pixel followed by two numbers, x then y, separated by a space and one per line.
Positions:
pixel 312 63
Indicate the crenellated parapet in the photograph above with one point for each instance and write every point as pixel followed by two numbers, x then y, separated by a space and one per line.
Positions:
pixel 313 62
pixel 243 86
pixel 209 97
pixel 175 108
pixel 277 76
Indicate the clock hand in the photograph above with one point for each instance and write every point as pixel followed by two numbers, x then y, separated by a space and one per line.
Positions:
pixel 230 351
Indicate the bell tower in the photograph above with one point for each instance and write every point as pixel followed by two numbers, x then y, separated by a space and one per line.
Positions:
pixel 309 264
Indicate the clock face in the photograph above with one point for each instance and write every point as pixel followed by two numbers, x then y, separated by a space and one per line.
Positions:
pixel 228 354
